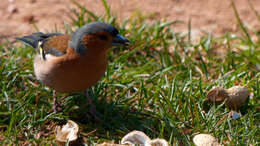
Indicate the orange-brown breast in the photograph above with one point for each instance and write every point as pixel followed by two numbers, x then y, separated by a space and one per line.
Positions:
pixel 73 72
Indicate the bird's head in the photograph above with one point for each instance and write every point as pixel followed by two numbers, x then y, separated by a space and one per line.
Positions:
pixel 97 37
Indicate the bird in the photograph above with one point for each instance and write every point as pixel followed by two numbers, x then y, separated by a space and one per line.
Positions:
pixel 74 62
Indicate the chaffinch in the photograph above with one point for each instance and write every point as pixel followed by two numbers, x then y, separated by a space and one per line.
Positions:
pixel 73 63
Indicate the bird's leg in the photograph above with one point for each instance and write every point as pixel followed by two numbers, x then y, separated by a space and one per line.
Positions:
pixel 55 105
pixel 93 110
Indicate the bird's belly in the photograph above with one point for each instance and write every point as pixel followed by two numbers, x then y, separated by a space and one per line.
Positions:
pixel 80 82
pixel 68 78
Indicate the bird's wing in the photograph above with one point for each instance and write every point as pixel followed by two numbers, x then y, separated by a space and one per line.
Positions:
pixel 55 44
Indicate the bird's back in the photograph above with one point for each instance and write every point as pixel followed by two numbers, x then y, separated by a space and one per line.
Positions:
pixel 55 44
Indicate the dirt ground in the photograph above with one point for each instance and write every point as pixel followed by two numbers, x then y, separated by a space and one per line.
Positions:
pixel 214 16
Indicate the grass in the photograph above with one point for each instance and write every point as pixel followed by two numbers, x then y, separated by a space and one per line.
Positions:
pixel 158 85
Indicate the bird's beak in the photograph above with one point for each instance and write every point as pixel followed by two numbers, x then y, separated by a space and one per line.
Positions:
pixel 120 41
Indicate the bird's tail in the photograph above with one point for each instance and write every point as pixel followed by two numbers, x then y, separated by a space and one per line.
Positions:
pixel 35 39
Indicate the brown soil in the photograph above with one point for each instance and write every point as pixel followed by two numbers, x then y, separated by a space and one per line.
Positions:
pixel 214 16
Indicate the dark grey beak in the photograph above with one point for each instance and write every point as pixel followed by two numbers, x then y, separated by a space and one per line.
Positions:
pixel 120 41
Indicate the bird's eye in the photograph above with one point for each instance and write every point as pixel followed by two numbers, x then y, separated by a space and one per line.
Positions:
pixel 103 37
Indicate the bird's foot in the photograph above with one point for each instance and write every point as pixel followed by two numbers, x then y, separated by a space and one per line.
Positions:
pixel 56 107
pixel 93 112
pixel 92 108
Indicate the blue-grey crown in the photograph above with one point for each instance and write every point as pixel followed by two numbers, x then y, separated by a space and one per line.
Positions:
pixel 94 27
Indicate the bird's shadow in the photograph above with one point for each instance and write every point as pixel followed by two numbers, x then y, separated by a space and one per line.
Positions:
pixel 113 117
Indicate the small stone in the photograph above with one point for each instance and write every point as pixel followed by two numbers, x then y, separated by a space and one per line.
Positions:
pixel 135 137
pixel 12 9
pixel 111 144
pixel 159 142
pixel 29 19
pixel 236 96
pixel 217 95
pixel 234 115
pixel 33 1
pixel 205 140
pixel 68 132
